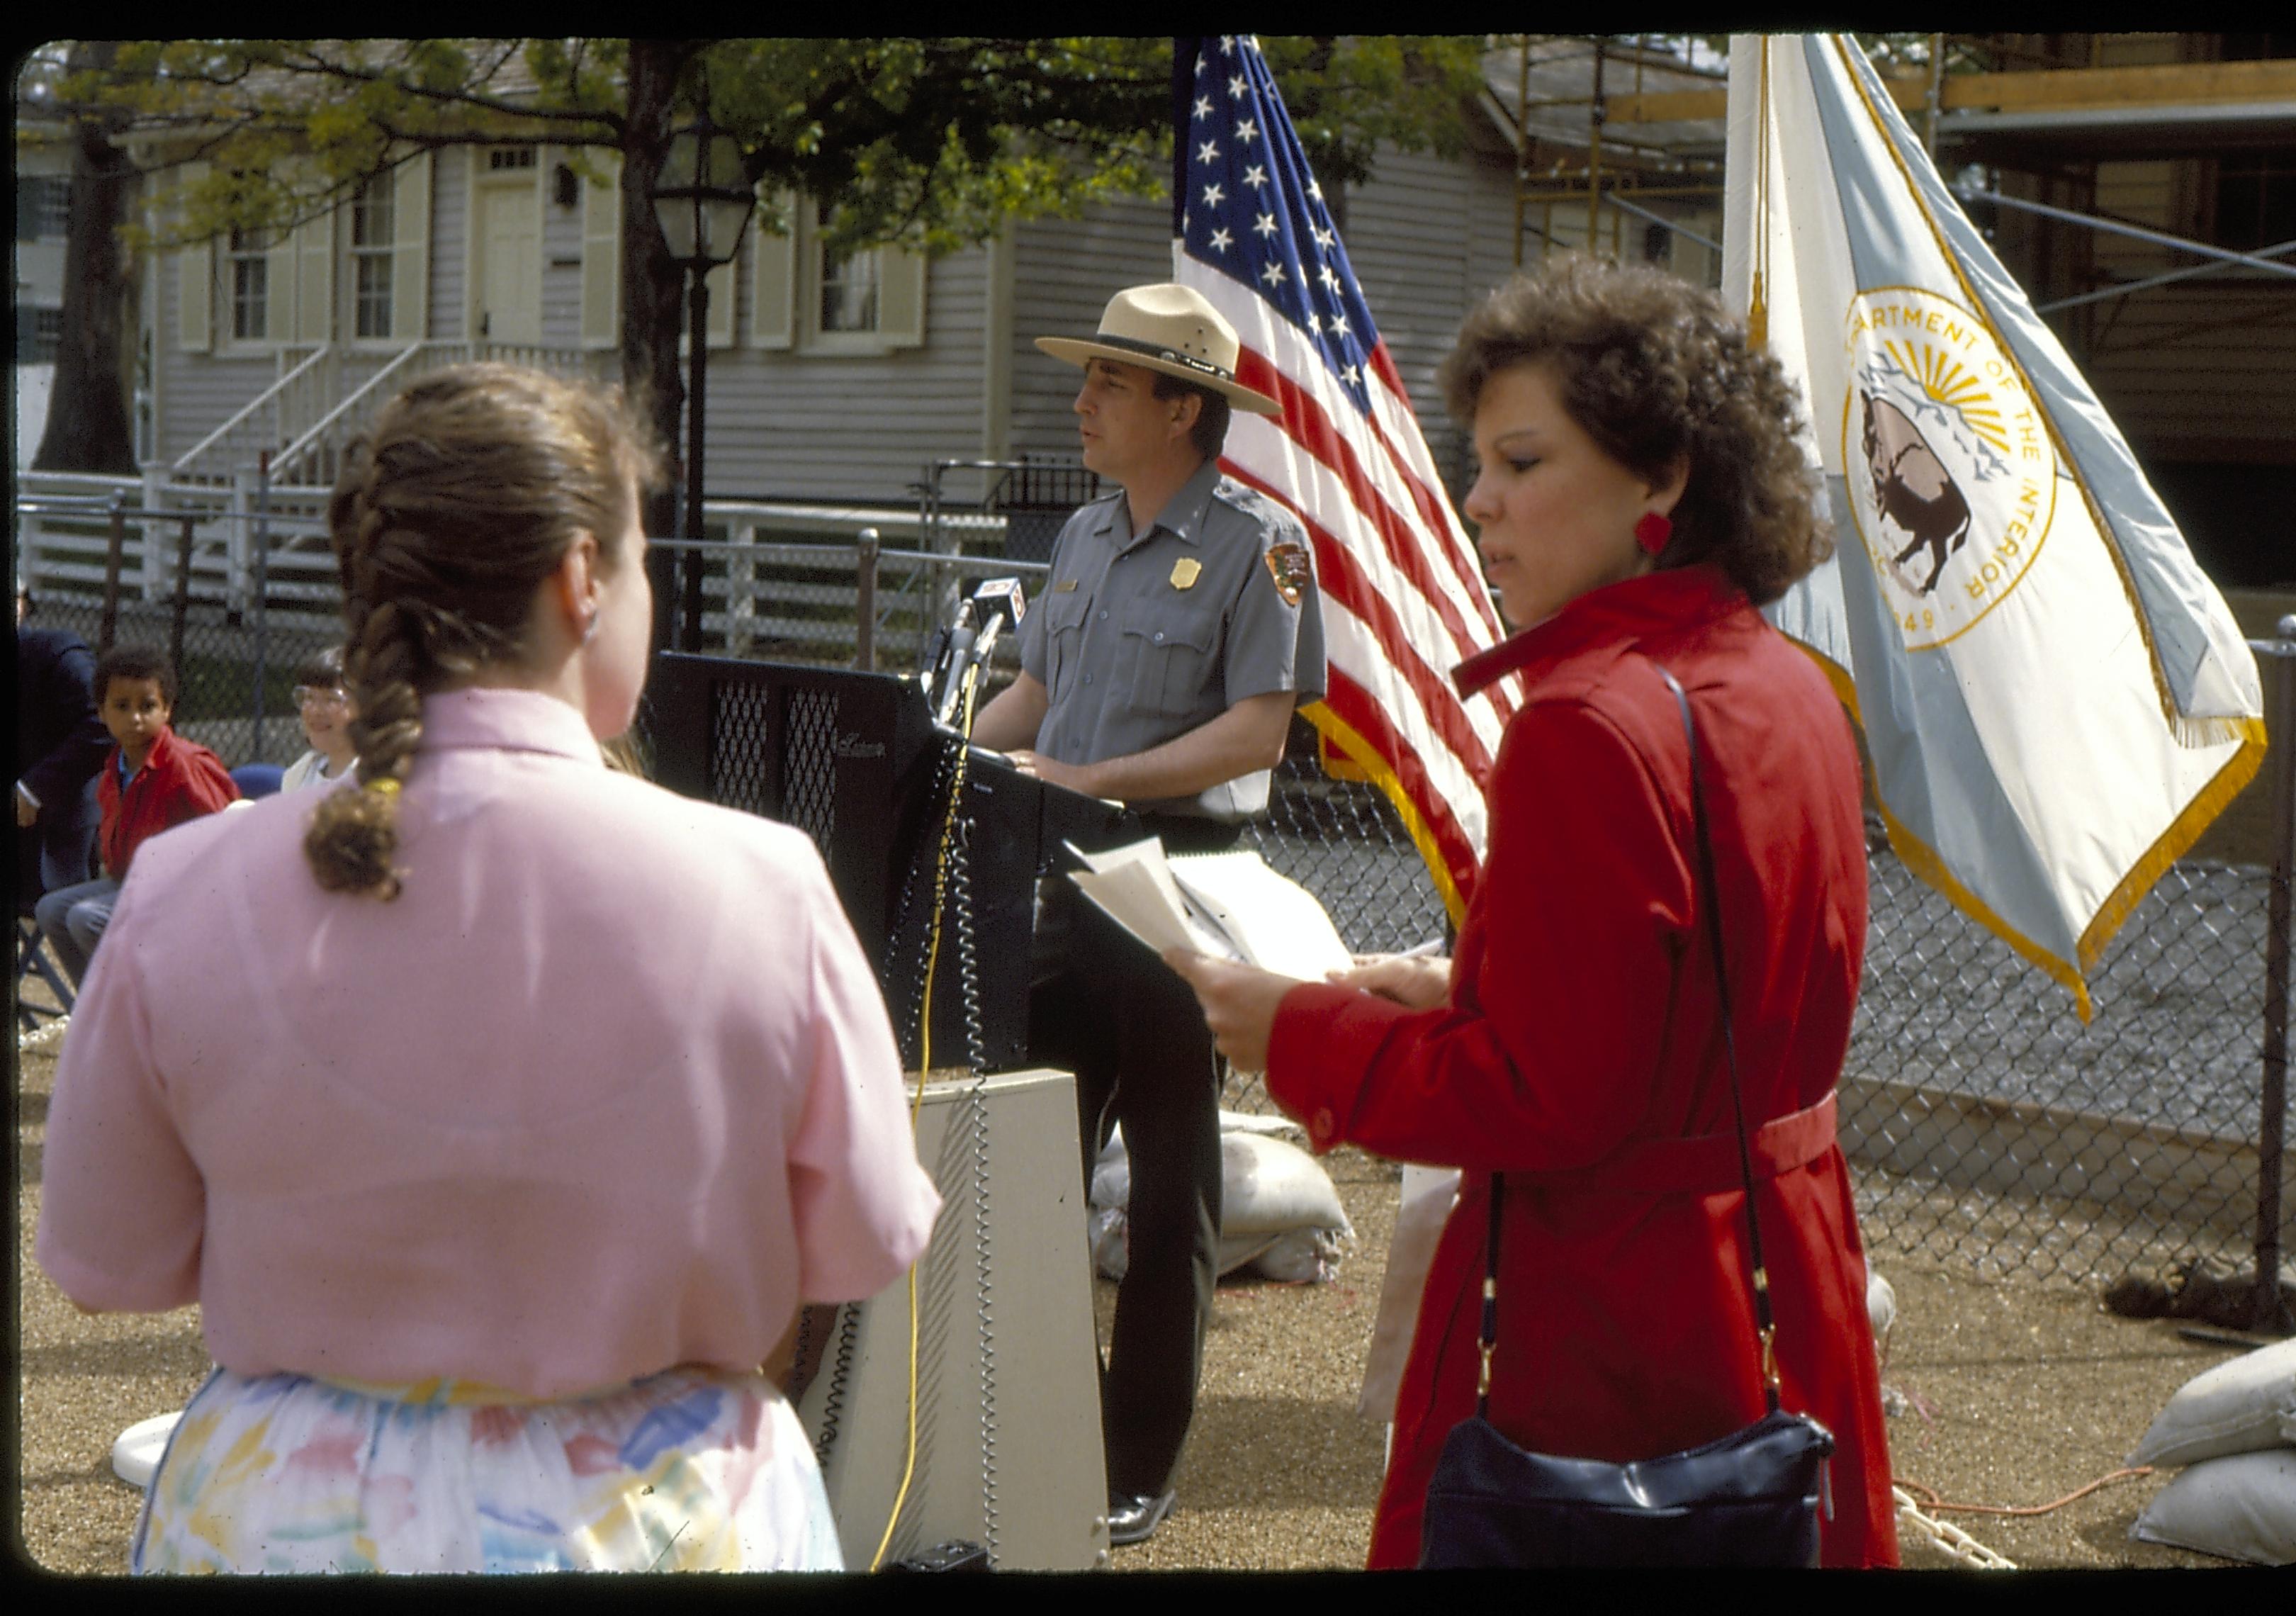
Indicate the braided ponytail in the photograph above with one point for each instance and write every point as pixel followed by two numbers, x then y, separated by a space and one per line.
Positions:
pixel 447 518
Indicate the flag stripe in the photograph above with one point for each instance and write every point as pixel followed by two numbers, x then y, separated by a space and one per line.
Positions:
pixel 1404 600
pixel 1274 359
pixel 1340 574
pixel 1305 424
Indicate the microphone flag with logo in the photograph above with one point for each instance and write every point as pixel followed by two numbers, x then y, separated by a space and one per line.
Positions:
pixel 1403 592
pixel 2056 699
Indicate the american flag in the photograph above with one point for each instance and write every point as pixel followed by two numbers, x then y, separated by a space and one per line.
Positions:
pixel 1403 598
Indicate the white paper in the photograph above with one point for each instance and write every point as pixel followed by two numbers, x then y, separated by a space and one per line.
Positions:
pixel 1274 920
pixel 1229 905
pixel 1134 884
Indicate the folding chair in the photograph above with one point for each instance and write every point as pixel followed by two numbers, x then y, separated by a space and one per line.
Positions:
pixel 32 961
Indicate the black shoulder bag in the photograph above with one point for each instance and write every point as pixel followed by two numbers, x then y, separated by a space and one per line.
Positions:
pixel 1748 1499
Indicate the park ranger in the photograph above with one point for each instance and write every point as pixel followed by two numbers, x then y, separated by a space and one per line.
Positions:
pixel 1178 630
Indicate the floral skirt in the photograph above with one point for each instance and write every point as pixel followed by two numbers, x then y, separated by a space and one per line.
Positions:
pixel 689 1469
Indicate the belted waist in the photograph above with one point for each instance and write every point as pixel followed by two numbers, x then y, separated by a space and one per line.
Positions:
pixel 1708 1164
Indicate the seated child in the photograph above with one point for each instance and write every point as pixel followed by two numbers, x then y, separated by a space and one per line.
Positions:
pixel 152 780
pixel 327 711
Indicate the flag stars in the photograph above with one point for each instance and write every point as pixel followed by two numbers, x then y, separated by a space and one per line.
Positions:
pixel 1246 130
pixel 1207 152
pixel 1203 106
pixel 1340 325
pixel 1274 273
pixel 1236 87
pixel 1255 177
pixel 1221 240
pixel 1214 196
pixel 1265 226
pixel 1352 375
pixel 1315 190
pixel 1329 276
pixel 1324 237
pixel 1227 44
pixel 1315 322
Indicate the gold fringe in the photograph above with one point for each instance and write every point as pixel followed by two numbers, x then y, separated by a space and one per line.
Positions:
pixel 1374 769
pixel 2228 782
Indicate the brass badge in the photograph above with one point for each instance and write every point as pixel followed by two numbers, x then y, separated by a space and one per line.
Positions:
pixel 1067 586
pixel 1184 572
pixel 1289 566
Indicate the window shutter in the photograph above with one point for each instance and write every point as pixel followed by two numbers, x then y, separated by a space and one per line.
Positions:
pixel 410 251
pixel 195 285
pixel 773 280
pixel 721 304
pixel 901 297
pixel 602 255
pixel 314 279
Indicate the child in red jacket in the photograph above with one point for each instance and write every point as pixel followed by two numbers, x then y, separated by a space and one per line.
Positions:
pixel 154 780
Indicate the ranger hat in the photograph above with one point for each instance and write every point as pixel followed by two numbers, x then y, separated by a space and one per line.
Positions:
pixel 1169 328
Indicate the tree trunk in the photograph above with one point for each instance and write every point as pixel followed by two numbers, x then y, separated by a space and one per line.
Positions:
pixel 652 298
pixel 87 428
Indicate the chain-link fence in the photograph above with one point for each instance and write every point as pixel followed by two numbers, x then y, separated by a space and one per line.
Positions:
pixel 1985 1122
pixel 234 589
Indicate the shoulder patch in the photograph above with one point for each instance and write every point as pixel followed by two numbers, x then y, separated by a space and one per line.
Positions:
pixel 1290 565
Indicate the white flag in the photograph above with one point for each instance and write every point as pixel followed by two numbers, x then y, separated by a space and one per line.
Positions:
pixel 2056 699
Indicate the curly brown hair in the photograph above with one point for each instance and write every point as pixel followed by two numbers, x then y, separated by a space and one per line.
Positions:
pixel 1653 371
pixel 449 514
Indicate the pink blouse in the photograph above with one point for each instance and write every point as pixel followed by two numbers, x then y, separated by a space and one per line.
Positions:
pixel 609 1088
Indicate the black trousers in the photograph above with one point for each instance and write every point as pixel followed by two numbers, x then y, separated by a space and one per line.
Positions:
pixel 1106 1009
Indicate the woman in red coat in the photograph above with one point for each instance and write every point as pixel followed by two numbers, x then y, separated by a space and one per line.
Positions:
pixel 1640 492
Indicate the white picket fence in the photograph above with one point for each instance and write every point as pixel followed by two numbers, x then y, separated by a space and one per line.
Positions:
pixel 781 577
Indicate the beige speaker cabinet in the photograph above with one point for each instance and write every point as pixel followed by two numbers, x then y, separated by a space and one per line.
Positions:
pixel 1008 1451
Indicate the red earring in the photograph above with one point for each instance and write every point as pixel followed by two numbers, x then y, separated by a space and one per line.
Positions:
pixel 1653 530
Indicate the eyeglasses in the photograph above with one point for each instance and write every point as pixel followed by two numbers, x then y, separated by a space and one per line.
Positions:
pixel 315 695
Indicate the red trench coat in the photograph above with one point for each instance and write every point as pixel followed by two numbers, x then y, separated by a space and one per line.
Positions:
pixel 1581 1028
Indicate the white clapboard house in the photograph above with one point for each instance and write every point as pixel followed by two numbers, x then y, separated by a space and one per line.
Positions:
pixel 832 378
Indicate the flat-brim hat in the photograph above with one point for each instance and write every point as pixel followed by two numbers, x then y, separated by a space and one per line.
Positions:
pixel 1169 328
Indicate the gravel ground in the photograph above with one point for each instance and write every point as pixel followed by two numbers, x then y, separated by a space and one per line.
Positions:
pixel 2014 1394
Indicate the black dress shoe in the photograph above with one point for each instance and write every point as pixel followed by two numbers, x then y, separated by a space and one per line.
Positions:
pixel 1134 1517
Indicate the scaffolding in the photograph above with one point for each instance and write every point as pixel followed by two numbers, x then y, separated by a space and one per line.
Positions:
pixel 1609 129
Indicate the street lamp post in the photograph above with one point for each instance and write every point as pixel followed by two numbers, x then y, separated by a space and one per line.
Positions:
pixel 703 204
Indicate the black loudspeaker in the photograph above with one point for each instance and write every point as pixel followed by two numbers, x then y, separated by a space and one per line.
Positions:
pixel 856 761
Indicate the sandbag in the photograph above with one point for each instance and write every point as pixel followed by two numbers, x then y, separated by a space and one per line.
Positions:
pixel 2239 1407
pixel 2242 1507
pixel 1279 1212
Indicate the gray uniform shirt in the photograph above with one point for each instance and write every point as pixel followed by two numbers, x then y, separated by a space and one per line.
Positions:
pixel 1139 639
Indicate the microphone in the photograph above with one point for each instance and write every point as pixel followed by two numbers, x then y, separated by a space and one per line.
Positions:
pixel 972 636
pixel 997 604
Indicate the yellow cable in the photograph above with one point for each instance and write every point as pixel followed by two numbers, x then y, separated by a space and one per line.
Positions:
pixel 916 1106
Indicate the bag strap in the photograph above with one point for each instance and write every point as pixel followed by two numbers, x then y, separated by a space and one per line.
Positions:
pixel 1767 1328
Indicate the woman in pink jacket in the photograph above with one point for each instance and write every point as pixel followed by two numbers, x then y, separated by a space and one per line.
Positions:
pixel 1640 492
pixel 499 1112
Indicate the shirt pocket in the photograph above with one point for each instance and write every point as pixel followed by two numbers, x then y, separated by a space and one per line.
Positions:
pixel 1169 668
pixel 1065 616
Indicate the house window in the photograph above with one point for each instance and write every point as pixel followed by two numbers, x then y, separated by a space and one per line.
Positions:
pixel 43 206
pixel 849 289
pixel 372 231
pixel 39 333
pixel 503 158
pixel 251 288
